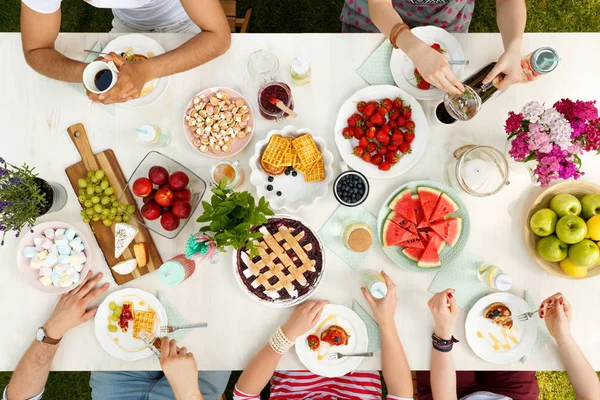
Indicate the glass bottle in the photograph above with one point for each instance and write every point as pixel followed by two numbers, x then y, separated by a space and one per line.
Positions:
pixel 232 170
pixel 375 284
pixel 300 71
pixel 539 62
pixel 494 277
pixel 154 135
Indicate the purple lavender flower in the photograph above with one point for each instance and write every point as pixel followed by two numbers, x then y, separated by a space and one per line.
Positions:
pixel 2 160
pixel 3 172
pixel 5 186
pixel 14 180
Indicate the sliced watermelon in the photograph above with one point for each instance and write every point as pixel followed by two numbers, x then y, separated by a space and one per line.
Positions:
pixel 394 234
pixel 415 243
pixel 418 209
pixel 413 253
pixel 448 229
pixel 444 206
pixel 403 205
pixel 428 235
pixel 423 224
pixel 429 198
pixel 430 257
pixel 403 222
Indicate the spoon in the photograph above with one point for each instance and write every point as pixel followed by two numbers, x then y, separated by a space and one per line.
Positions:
pixel 279 104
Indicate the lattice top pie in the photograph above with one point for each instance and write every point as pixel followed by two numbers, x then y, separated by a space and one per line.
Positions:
pixel 289 263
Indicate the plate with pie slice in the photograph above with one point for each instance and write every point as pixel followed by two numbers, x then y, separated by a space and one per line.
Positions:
pixel 493 331
pixel 289 266
pixel 339 330
pixel 121 316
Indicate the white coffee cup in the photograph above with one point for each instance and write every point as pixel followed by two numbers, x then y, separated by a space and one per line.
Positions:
pixel 89 75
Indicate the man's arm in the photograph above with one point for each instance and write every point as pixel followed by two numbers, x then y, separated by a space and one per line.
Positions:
pixel 31 373
pixel 38 34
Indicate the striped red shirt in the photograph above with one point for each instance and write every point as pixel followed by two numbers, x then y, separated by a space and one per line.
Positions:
pixel 304 385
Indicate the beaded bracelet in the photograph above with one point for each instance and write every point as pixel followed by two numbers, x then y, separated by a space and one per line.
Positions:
pixel 441 344
pixel 279 342
pixel 396 31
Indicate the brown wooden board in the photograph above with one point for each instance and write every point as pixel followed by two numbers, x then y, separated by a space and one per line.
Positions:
pixel 105 236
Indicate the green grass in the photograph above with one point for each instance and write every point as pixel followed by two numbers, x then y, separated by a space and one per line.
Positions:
pixel 271 16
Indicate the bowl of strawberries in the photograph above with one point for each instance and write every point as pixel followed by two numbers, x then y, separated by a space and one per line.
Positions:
pixel 381 131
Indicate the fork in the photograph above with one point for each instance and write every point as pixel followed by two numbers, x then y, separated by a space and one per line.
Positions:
pixel 170 329
pixel 337 356
pixel 527 316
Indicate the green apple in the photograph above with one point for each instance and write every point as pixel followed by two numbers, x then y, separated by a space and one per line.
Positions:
pixel 584 253
pixel 590 205
pixel 565 204
pixel 571 229
pixel 551 248
pixel 543 222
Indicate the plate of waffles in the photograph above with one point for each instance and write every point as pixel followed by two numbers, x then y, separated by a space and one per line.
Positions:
pixel 218 122
pixel 292 168
pixel 288 267
pixel 121 316
pixel 339 330
pixel 493 331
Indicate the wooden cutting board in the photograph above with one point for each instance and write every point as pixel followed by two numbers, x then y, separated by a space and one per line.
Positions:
pixel 105 236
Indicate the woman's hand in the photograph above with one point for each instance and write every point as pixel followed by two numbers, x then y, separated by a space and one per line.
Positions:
pixel 445 311
pixel 180 369
pixel 558 317
pixel 506 71
pixel 304 317
pixel 384 308
pixel 435 69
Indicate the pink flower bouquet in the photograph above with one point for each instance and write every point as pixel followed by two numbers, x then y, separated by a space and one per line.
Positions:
pixel 555 137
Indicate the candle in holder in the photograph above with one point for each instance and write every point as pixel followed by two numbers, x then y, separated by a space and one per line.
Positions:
pixel 476 171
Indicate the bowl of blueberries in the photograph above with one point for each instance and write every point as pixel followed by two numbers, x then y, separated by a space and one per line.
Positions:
pixel 351 188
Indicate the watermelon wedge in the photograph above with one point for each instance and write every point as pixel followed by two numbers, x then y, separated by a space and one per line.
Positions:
pixel 419 216
pixel 448 229
pixel 403 222
pixel 403 205
pixel 413 253
pixel 428 235
pixel 444 206
pixel 393 234
pixel 415 243
pixel 430 257
pixel 429 198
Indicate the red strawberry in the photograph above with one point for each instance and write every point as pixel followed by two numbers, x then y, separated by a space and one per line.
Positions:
pixel 385 166
pixel 371 132
pixel 359 131
pixel 423 84
pixel 360 106
pixel 404 147
pixel 410 125
pixel 374 104
pixel 397 136
pixel 351 121
pixel 367 157
pixel 368 124
pixel 382 111
pixel 387 103
pixel 377 119
pixel 369 110
pixel 401 121
pixel 392 147
pixel 363 142
pixel 397 102
pixel 372 147
pixel 407 112
pixel 392 157
pixel 437 47
pixel 409 137
pixel 383 137
pixel 359 151
pixel 348 133
pixel 392 124
pixel 386 129
pixel 394 114
pixel 377 159
pixel 382 150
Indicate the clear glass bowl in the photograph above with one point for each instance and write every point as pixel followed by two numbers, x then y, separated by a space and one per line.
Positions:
pixel 196 186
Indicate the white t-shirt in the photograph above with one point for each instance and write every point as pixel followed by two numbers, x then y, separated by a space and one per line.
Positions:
pixel 485 396
pixel 143 15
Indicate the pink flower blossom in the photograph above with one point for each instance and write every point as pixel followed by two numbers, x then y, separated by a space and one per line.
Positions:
pixel 513 123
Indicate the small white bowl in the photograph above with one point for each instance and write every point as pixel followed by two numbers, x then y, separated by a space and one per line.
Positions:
pixel 296 193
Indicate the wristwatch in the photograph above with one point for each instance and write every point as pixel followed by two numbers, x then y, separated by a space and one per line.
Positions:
pixel 41 336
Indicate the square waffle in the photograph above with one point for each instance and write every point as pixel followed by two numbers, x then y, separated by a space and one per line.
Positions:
pixel 306 150
pixel 144 320
pixel 276 151
pixel 317 172
pixel 288 159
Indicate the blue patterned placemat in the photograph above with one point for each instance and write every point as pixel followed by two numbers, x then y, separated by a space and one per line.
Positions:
pixel 543 335
pixel 332 231
pixel 373 331
pixel 461 275
pixel 174 317
pixel 376 69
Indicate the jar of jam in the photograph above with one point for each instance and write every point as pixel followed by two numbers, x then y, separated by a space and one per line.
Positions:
pixel 269 94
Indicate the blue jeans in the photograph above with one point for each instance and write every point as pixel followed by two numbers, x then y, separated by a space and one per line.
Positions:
pixel 151 385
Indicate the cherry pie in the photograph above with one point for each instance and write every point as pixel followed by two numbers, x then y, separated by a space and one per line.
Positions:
pixel 289 264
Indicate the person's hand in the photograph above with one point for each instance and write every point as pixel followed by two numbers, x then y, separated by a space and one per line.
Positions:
pixel 435 69
pixel 445 311
pixel 132 78
pixel 180 369
pixel 557 317
pixel 73 309
pixel 506 71
pixel 384 308
pixel 304 317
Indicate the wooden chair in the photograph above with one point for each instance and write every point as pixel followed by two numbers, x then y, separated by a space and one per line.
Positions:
pixel 236 24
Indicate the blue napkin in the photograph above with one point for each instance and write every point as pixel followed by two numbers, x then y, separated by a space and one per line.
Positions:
pixel 174 317
pixel 373 332
pixel 543 335
pixel 376 69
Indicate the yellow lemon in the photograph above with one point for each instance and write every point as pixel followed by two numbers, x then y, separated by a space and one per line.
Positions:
pixel 593 225
pixel 571 269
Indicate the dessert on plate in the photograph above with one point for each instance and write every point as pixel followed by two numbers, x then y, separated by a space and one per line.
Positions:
pixel 499 314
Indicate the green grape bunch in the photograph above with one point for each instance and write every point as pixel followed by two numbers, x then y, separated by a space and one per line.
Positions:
pixel 99 200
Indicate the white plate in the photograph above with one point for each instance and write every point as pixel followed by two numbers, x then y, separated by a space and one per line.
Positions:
pixel 123 345
pixel 524 332
pixel 346 146
pixel 357 343
pixel 32 275
pixel 295 192
pixel 140 44
pixel 403 68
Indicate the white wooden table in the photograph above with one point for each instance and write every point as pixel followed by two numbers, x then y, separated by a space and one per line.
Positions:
pixel 35 111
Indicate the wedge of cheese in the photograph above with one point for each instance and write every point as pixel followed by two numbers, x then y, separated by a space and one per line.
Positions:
pixel 124 235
